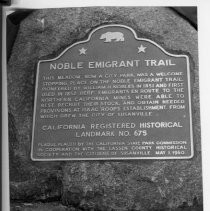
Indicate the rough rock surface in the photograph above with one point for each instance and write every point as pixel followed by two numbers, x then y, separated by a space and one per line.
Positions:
pixel 96 185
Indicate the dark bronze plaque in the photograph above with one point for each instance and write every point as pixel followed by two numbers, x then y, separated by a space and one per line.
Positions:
pixel 113 96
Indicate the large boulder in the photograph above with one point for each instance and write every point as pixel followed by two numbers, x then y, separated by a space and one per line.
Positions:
pixel 142 185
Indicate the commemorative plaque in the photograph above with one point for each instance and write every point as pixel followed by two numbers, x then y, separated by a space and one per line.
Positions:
pixel 113 96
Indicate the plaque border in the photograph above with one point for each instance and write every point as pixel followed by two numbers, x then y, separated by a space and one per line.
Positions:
pixel 116 158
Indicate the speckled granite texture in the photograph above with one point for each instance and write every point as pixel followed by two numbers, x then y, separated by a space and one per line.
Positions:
pixel 137 185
